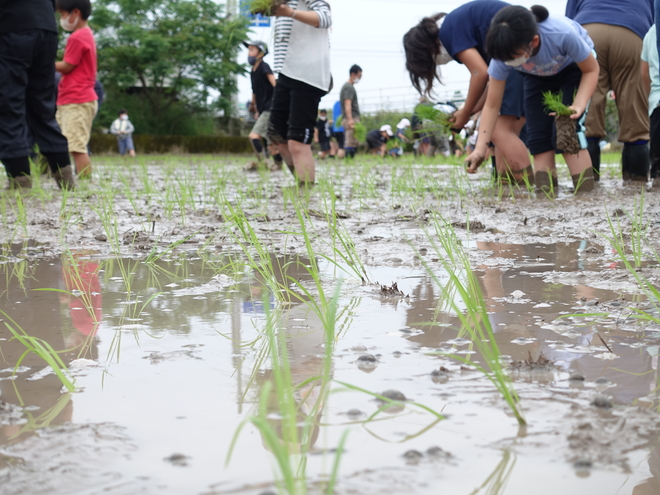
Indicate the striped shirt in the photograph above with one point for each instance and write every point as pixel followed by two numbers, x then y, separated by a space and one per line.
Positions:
pixel 285 25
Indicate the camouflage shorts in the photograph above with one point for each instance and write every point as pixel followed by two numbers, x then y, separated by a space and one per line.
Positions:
pixel 75 120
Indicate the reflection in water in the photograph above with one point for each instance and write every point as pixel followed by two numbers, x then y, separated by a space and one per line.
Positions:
pixel 519 268
pixel 204 298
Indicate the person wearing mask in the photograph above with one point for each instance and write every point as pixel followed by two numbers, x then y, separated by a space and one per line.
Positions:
pixel 617 28
pixel 553 54
pixel 123 129
pixel 77 102
pixel 302 60
pixel 322 134
pixel 461 36
pixel 28 47
pixel 350 109
pixel 263 81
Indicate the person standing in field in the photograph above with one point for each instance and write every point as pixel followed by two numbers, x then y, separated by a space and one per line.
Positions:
pixel 461 36
pixel 123 129
pixel 651 81
pixel 77 102
pixel 263 83
pixel 28 47
pixel 350 109
pixel 322 134
pixel 302 60
pixel 617 28
pixel 554 54
pixel 338 130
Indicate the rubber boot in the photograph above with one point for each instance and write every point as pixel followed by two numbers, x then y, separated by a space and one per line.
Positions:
pixel 544 186
pixel 635 162
pixel 593 147
pixel 64 178
pixel 584 182
pixel 20 182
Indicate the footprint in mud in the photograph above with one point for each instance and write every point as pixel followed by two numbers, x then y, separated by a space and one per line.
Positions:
pixel 177 459
pixel 367 363
pixel 159 357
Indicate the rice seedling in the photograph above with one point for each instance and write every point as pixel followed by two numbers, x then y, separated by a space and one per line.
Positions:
pixel 567 139
pixel 298 420
pixel 40 348
pixel 434 119
pixel 474 316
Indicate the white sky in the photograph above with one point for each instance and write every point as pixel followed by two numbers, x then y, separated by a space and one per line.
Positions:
pixel 369 33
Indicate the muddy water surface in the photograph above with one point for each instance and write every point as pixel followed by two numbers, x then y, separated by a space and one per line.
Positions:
pixel 168 358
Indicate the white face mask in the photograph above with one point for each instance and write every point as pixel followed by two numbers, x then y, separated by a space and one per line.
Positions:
pixel 124 117
pixel 517 62
pixel 443 57
pixel 68 25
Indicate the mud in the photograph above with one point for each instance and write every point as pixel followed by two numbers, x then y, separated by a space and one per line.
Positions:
pixel 165 338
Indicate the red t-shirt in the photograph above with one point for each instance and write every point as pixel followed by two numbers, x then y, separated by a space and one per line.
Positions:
pixel 78 85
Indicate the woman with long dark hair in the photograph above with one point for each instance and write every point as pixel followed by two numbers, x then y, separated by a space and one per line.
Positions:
pixel 461 36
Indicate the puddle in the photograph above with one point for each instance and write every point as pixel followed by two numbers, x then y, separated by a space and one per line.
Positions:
pixel 170 357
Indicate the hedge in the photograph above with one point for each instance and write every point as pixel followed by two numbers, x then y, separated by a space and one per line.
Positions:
pixel 107 143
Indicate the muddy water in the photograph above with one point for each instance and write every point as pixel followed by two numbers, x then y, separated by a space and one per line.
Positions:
pixel 169 360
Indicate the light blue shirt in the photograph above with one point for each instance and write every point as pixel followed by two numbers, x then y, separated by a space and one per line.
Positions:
pixel 563 42
pixel 650 56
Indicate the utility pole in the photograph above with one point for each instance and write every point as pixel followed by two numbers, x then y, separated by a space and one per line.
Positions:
pixel 232 11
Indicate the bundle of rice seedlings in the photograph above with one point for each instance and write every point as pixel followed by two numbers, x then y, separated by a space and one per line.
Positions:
pixel 433 118
pixel 265 7
pixel 567 139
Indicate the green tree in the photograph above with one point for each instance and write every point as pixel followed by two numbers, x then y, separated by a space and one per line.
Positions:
pixel 181 54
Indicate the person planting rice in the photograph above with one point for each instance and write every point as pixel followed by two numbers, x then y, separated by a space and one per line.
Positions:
pixel 651 80
pixel 400 136
pixel 461 36
pixel 617 28
pixel 377 140
pixel 302 59
pixel 554 54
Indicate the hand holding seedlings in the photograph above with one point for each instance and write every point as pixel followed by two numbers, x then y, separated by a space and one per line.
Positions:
pixel 473 161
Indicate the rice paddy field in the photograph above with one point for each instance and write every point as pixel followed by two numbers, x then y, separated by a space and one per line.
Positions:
pixel 179 326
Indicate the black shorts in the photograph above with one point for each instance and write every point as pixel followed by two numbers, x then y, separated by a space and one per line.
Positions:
pixel 513 99
pixel 339 136
pixel 325 145
pixel 294 111
pixel 655 143
pixel 374 143
pixel 541 126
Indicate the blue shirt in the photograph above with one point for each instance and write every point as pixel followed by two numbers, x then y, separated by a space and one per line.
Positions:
pixel 563 42
pixel 336 113
pixel 467 26
pixel 636 15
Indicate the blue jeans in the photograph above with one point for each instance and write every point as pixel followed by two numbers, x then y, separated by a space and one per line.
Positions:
pixel 125 145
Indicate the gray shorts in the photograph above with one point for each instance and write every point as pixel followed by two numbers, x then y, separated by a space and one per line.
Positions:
pixel 261 125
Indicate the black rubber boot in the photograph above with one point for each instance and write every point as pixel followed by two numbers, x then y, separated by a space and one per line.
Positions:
pixel 594 152
pixel 635 162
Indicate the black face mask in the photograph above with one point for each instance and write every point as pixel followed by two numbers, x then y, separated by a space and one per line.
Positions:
pixel 252 60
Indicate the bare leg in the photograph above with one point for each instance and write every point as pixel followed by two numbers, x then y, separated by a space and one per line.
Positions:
pixel 83 164
pixel 578 163
pixel 512 155
pixel 303 161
